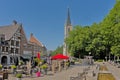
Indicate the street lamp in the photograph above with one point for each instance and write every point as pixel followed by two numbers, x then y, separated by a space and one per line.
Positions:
pixel 89 53
pixel 109 55
pixel 0 55
pixel 106 58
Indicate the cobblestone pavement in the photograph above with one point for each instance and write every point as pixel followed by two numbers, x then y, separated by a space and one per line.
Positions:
pixel 63 75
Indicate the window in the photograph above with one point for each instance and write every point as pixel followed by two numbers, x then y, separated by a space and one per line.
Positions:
pixel 12 50
pixel 68 29
pixel 12 42
pixel 2 38
pixel 6 43
pixel 19 38
pixel 16 50
pixel 3 48
pixel 6 49
pixel 2 42
pixel 11 60
pixel 17 43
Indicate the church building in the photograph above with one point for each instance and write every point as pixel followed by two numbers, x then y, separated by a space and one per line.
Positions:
pixel 67 29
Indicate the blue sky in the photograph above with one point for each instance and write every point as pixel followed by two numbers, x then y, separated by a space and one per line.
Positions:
pixel 46 18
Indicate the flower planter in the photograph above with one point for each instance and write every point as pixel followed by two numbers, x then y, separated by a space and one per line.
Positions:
pixel 44 69
pixel 0 67
pixel 13 70
pixel 18 76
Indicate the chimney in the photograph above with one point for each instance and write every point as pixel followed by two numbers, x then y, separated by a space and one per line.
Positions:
pixel 14 22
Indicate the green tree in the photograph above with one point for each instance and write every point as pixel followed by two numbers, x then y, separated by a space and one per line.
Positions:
pixel 59 49
pixel 110 29
pixel 100 39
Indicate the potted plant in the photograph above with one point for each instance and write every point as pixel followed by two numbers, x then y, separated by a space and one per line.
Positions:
pixel 0 66
pixel 13 68
pixel 21 62
pixel 67 64
pixel 18 76
pixel 44 68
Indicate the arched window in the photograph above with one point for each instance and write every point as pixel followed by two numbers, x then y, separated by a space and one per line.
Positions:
pixel 4 60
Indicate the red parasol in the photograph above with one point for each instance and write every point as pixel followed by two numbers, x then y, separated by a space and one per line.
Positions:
pixel 59 56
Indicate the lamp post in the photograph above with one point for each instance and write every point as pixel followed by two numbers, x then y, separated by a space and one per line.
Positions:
pixel 0 55
pixel 106 58
pixel 89 53
pixel 90 60
pixel 109 56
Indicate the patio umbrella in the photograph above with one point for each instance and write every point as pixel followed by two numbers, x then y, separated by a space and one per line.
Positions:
pixel 59 56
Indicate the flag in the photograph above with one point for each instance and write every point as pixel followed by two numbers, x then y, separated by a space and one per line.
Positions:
pixel 38 55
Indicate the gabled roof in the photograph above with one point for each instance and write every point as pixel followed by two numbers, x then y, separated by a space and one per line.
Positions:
pixel 34 40
pixel 9 30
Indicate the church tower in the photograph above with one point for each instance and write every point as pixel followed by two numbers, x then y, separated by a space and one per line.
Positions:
pixel 67 29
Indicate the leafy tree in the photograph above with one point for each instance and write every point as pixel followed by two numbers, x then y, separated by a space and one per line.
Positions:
pixel 59 49
pixel 110 29
pixel 100 39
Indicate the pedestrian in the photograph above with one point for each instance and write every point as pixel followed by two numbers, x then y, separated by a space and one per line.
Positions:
pixel 103 61
pixel 31 72
pixel 68 63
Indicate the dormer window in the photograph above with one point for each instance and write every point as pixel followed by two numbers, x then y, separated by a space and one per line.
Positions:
pixel 2 39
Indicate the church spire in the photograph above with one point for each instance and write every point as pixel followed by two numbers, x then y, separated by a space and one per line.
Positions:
pixel 68 22
pixel 67 29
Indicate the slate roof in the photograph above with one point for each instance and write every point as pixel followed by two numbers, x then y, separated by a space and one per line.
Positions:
pixel 9 30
